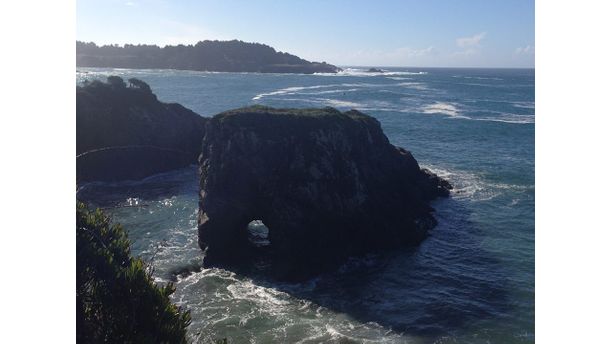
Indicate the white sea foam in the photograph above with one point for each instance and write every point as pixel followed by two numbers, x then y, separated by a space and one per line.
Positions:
pixel 509 118
pixel 466 185
pixel 474 187
pixel 524 105
pixel 364 73
pixel 414 85
pixel 266 298
pixel 341 103
pixel 331 91
pixel 290 90
pixel 476 77
pixel 441 108
pixel 341 88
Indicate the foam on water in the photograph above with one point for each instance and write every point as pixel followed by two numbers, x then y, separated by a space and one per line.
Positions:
pixel 290 90
pixel 341 103
pixel 361 72
pixel 524 105
pixel 507 118
pixel 476 77
pixel 474 187
pixel 441 108
pixel 415 85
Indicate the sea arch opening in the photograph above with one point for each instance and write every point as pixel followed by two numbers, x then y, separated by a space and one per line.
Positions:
pixel 258 234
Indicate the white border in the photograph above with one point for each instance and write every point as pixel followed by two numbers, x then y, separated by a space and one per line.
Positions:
pixel 573 165
pixel 37 139
pixel 573 169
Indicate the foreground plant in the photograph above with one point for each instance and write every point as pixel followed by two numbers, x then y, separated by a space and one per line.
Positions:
pixel 117 299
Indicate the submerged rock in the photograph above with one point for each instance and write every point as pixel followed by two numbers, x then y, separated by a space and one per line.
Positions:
pixel 327 184
pixel 375 70
pixel 124 132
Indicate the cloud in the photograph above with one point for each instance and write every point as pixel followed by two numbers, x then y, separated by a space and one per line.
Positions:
pixel 526 50
pixel 472 41
pixel 130 3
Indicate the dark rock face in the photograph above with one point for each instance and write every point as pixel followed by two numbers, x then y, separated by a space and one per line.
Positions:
pixel 214 56
pixel 129 163
pixel 375 70
pixel 327 185
pixel 124 132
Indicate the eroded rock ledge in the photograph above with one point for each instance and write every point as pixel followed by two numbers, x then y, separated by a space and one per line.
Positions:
pixel 125 133
pixel 327 184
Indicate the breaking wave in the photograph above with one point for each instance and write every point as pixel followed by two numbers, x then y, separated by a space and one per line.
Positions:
pixel 441 108
pixel 472 186
pixel 290 90
pixel 364 73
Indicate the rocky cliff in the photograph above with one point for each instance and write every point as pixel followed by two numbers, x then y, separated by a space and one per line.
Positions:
pixel 327 185
pixel 124 132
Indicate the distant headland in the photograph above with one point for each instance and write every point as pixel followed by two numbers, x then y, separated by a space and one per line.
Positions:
pixel 213 56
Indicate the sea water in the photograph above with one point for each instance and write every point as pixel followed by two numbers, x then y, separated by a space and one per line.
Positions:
pixel 471 281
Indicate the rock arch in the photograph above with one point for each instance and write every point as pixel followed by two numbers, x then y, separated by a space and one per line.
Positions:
pixel 327 184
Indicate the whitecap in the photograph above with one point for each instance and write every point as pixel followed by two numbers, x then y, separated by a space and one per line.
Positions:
pixel 441 108
pixel 290 90
pixel 509 118
pixel 341 103
pixel 466 185
pixel 524 105
pixel 477 77
pixel 474 187
pixel 414 85
pixel 360 72
pixel 331 91
pixel 298 89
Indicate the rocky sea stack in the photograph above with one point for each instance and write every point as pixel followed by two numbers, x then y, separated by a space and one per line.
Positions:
pixel 327 184
pixel 125 133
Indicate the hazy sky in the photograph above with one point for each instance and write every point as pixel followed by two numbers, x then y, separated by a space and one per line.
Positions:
pixel 436 33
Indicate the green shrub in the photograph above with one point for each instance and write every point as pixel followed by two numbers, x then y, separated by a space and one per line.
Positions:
pixel 115 81
pixel 117 300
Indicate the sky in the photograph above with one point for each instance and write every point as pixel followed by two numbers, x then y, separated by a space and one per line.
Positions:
pixel 408 33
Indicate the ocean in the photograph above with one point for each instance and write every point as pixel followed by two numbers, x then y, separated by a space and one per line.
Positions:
pixel 471 281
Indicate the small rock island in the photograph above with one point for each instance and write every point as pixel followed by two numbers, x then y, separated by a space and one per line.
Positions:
pixel 327 184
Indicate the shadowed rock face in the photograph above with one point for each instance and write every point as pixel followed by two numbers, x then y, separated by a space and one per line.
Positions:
pixel 124 132
pixel 327 185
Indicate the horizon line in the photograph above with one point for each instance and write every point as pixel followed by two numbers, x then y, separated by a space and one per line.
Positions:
pixel 280 51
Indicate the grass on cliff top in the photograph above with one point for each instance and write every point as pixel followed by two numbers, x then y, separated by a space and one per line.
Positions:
pixel 303 112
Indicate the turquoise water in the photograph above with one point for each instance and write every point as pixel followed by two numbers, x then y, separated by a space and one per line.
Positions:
pixel 471 281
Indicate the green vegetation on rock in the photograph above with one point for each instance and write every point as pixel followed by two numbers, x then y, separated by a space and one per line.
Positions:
pixel 214 56
pixel 117 299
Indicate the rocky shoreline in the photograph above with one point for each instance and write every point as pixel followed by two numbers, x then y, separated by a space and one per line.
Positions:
pixel 327 184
